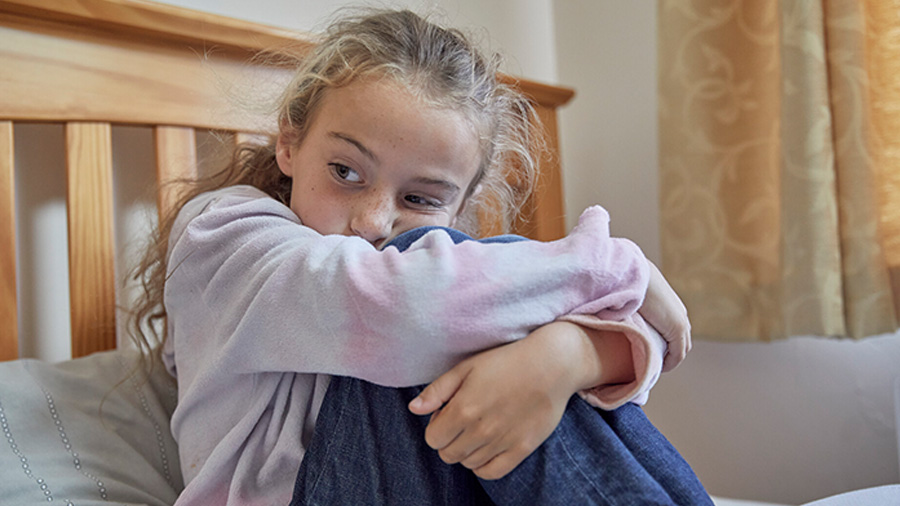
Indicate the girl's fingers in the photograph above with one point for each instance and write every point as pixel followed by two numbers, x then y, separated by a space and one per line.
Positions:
pixel 443 429
pixel 677 352
pixel 499 466
pixel 490 461
pixel 466 452
pixel 665 312
pixel 679 346
pixel 463 430
pixel 481 456
pixel 439 391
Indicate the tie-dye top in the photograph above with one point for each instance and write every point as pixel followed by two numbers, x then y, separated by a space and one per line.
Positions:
pixel 262 310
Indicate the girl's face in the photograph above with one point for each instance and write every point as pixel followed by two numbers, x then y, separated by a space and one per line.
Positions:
pixel 376 161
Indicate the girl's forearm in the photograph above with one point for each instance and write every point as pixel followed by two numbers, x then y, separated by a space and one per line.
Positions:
pixel 596 357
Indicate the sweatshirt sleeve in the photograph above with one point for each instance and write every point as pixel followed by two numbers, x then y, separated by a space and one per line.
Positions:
pixel 252 289
pixel 647 351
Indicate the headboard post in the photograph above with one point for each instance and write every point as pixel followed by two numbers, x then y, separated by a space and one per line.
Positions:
pixel 9 334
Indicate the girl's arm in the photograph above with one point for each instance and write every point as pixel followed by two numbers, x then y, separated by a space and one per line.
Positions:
pixel 493 410
pixel 276 296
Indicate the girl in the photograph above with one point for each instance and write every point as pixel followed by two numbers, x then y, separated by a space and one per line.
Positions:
pixel 284 292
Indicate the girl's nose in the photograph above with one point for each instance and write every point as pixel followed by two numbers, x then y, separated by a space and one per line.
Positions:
pixel 373 220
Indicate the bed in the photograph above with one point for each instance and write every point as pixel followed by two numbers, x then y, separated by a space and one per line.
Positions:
pixel 82 430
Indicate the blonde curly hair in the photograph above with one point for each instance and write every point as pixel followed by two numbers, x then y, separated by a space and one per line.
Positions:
pixel 441 66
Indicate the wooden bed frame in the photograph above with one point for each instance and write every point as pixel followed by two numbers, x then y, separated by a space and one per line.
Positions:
pixel 92 64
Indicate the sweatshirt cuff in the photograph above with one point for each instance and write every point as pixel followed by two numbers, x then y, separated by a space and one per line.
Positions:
pixel 647 351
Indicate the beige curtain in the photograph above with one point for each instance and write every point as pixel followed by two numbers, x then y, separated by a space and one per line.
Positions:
pixel 780 165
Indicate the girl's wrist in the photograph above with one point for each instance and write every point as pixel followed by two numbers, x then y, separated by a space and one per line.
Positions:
pixel 592 357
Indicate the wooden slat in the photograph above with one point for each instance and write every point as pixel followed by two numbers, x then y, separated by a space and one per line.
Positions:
pixel 91 247
pixel 159 21
pixel 176 158
pixel 122 81
pixel 249 138
pixel 542 94
pixel 9 332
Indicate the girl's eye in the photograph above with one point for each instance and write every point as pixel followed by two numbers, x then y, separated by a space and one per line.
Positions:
pixel 418 200
pixel 345 173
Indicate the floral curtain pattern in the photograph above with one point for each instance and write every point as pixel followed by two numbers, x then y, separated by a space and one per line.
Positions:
pixel 780 165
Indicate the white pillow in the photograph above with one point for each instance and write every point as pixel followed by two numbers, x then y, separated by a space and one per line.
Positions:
pixel 57 443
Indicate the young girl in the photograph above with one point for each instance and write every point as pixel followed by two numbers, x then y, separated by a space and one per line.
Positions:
pixel 301 296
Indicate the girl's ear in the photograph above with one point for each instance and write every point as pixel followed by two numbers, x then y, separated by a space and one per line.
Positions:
pixel 283 148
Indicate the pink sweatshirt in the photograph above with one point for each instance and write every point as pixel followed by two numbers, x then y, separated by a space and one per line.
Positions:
pixel 262 310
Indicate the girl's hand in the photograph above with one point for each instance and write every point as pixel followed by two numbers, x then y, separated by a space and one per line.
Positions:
pixel 665 312
pixel 494 409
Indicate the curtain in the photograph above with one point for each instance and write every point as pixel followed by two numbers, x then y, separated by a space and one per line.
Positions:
pixel 780 165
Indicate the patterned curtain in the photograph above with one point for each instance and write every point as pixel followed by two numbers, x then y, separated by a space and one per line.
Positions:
pixel 780 165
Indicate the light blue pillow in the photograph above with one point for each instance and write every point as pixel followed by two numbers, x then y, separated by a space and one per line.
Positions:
pixel 57 443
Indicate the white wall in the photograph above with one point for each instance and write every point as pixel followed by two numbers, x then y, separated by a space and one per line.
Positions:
pixel 519 29
pixel 607 52
pixel 787 422
pixel 784 422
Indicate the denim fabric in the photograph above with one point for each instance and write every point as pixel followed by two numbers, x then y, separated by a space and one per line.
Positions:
pixel 368 449
pixel 406 239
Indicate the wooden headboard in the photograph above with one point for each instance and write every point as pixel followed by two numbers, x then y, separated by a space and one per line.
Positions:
pixel 92 64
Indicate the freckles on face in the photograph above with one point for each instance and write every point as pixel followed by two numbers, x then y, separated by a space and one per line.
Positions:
pixel 377 161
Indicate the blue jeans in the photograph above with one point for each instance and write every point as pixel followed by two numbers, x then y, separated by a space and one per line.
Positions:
pixel 368 449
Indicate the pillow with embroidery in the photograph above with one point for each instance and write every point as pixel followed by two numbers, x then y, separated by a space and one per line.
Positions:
pixel 87 431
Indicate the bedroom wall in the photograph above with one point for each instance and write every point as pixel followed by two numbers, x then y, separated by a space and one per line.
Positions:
pixel 786 422
pixel 520 29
